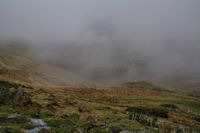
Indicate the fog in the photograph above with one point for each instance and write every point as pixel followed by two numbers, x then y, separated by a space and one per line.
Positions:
pixel 110 41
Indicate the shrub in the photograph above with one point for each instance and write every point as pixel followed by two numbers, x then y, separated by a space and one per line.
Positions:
pixel 172 106
pixel 149 111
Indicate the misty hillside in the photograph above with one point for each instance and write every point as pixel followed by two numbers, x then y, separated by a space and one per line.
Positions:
pixel 62 66
pixel 16 67
pixel 74 66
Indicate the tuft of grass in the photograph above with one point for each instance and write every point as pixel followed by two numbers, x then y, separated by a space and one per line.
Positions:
pixel 27 126
pixel 42 115
pixel 11 130
pixel 74 117
pixel 59 123
pixel 102 108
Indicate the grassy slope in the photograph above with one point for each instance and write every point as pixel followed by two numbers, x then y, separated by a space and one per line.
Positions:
pixel 191 87
pixel 24 70
pixel 110 105
pixel 96 106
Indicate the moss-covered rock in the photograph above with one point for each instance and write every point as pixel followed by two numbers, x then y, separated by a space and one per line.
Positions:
pixel 13 94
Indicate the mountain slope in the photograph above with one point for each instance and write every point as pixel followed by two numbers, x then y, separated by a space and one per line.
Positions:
pixel 65 105
pixel 26 70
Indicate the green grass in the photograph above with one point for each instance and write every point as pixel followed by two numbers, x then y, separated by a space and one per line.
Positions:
pixel 143 85
pixel 107 107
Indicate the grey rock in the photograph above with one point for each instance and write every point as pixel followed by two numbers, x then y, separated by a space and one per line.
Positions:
pixel 103 127
pixel 180 127
pixel 67 115
pixel 36 129
pixel 139 132
pixel 126 131
pixel 96 115
pixel 11 117
pixel 37 122
pixel 22 113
